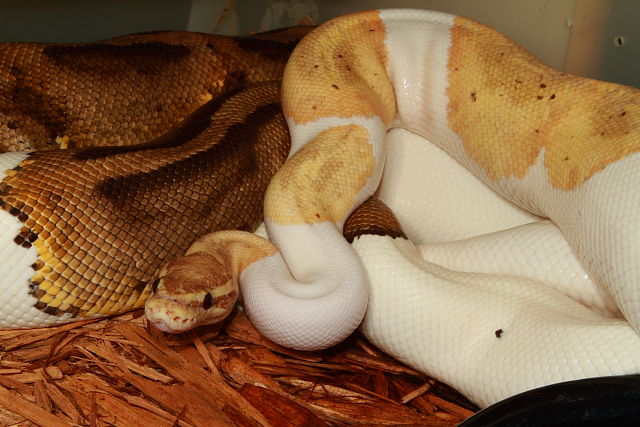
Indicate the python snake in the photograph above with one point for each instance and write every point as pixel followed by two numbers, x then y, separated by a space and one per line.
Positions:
pixel 556 145
pixel 86 229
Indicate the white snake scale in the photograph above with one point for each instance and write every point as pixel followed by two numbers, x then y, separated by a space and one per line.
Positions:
pixel 558 146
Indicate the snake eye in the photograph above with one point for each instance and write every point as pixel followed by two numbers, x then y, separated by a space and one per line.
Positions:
pixel 154 285
pixel 208 301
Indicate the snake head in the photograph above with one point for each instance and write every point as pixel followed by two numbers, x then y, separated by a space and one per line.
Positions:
pixel 193 290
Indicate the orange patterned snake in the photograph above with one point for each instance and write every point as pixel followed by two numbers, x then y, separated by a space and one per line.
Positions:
pixel 84 231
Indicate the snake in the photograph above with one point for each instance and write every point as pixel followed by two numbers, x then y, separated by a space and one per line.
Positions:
pixel 549 144
pixel 85 229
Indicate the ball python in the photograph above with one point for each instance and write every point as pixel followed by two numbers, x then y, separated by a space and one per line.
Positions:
pixel 84 230
pixel 510 120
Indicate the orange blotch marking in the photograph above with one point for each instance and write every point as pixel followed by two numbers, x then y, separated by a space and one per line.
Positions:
pixel 506 106
pixel 338 70
pixel 321 181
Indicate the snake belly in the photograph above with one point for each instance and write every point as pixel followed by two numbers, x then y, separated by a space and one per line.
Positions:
pixel 85 229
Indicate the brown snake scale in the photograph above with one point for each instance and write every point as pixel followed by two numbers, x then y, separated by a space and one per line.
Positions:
pixel 125 90
pixel 372 217
pixel 101 240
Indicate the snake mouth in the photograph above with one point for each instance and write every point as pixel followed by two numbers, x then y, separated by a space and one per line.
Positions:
pixel 163 327
pixel 165 322
pixel 173 318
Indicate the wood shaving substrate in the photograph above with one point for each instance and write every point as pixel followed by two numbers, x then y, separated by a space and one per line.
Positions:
pixel 120 372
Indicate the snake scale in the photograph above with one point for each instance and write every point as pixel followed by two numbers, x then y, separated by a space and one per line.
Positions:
pixel 96 223
pixel 356 93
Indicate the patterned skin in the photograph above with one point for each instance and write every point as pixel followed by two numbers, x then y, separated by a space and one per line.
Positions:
pixel 125 90
pixel 88 228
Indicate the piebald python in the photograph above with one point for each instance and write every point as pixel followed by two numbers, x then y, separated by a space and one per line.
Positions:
pixel 513 122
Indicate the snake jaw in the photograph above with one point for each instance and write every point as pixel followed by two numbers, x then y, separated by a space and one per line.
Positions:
pixel 178 315
pixel 170 315
pixel 163 325
pixel 193 290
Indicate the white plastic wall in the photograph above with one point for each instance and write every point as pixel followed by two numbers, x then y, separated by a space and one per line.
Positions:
pixel 594 38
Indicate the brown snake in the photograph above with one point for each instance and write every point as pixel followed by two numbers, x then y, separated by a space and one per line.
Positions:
pixel 103 220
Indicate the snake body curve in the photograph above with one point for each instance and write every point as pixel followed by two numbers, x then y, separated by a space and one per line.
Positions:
pixel 489 104
pixel 510 120
pixel 516 125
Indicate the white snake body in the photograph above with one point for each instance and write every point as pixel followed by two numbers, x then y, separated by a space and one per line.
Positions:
pixel 557 146
pixel 16 305
pixel 449 192
pixel 537 251
pixel 456 312
pixel 575 163
pixel 498 238
pixel 488 336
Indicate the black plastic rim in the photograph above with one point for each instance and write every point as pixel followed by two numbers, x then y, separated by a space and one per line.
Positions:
pixel 592 401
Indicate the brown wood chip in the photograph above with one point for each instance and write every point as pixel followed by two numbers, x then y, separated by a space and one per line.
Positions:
pixel 118 372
